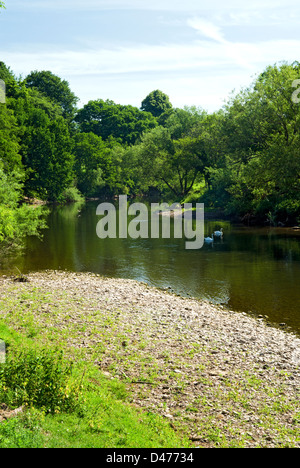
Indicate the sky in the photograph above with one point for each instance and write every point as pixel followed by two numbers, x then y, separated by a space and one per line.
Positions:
pixel 197 52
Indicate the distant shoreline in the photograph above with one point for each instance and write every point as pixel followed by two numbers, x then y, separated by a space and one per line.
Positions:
pixel 209 214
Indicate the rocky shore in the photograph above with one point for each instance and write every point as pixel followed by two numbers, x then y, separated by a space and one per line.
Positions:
pixel 218 374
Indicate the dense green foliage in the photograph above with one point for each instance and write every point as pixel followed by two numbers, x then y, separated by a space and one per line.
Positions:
pixel 109 120
pixel 69 404
pixel 243 159
pixel 16 221
pixel 259 136
pixel 55 89
pixel 156 103
pixel 40 379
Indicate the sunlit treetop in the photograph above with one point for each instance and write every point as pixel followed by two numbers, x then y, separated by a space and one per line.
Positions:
pixel 156 103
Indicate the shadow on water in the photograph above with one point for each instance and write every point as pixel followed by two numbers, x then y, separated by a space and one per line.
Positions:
pixel 255 270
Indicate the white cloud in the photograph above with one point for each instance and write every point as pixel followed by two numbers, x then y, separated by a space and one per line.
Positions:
pixel 136 59
pixel 233 51
pixel 245 17
pixel 202 73
pixel 207 29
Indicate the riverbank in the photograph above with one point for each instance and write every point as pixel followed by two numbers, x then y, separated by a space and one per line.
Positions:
pixel 223 378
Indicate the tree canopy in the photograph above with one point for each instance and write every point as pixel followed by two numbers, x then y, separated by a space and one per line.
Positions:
pixel 110 120
pixel 260 136
pixel 156 103
pixel 243 159
pixel 56 89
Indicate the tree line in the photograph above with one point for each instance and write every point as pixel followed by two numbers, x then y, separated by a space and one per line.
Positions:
pixel 243 159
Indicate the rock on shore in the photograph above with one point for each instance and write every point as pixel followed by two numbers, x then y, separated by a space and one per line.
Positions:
pixel 205 368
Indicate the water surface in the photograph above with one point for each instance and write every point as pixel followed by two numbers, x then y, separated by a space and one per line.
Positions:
pixel 254 270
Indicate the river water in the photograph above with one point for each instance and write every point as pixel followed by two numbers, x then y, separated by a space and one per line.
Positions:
pixel 255 270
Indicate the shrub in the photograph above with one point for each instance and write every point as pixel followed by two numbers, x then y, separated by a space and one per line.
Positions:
pixel 39 379
pixel 71 195
pixel 16 221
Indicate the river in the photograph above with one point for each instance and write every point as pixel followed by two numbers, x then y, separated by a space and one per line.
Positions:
pixel 255 270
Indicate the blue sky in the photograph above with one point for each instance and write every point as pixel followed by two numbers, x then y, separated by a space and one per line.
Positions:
pixel 195 51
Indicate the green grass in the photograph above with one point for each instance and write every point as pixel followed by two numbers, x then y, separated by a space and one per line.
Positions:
pixel 70 405
pixel 239 409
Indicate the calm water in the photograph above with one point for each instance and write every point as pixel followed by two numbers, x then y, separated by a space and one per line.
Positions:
pixel 255 270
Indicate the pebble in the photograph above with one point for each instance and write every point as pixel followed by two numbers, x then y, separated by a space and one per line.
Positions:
pixel 195 343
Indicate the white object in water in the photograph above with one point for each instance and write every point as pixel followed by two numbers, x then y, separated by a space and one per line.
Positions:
pixel 219 233
pixel 209 240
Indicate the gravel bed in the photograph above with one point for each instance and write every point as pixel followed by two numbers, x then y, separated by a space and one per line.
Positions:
pixel 226 377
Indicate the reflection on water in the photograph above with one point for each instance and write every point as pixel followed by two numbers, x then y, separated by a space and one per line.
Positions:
pixel 250 269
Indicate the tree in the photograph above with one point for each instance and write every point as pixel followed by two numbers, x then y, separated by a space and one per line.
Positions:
pixel 5 73
pixel 9 143
pixel 180 122
pixel 47 155
pixel 168 164
pixel 156 103
pixel 11 83
pixel 90 152
pixel 16 221
pixel 37 141
pixel 56 89
pixel 108 119
pixel 260 132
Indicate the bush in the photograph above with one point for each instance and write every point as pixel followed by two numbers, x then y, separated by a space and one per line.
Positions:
pixel 39 379
pixel 16 221
pixel 71 195
pixel 288 211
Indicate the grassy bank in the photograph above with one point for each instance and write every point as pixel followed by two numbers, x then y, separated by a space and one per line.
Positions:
pixel 149 369
pixel 61 403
